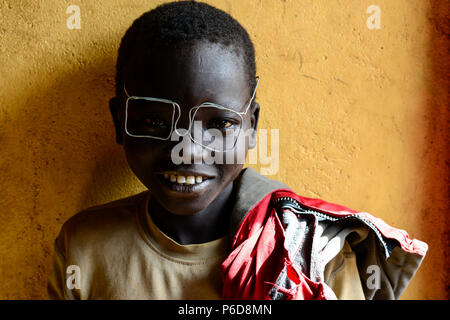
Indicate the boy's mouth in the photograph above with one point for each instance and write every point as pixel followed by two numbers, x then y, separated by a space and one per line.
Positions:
pixel 183 179
pixel 186 183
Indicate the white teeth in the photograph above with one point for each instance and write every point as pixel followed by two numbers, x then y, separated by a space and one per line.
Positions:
pixel 173 177
pixel 190 180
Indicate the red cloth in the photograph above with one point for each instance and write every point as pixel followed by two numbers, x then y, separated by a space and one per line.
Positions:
pixel 253 266
pixel 258 254
pixel 335 210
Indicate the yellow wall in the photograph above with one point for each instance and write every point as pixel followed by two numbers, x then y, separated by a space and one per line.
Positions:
pixel 362 116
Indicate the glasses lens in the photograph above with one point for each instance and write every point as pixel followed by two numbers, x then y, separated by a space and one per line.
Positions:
pixel 215 128
pixel 149 118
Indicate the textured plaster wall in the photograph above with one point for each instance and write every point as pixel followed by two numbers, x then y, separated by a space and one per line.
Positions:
pixel 363 117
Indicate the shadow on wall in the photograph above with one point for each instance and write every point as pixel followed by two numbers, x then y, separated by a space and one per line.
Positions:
pixel 436 157
pixel 78 139
pixel 59 156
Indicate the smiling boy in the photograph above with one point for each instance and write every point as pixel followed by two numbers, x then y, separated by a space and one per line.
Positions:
pixel 212 230
pixel 190 75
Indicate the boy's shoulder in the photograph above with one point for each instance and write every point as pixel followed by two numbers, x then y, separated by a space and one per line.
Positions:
pixel 105 220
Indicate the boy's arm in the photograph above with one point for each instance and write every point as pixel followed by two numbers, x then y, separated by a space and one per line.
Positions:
pixel 56 286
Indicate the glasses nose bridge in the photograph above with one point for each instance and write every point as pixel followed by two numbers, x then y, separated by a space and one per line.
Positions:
pixel 179 117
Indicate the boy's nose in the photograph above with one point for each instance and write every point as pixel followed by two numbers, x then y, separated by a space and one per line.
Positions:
pixel 183 149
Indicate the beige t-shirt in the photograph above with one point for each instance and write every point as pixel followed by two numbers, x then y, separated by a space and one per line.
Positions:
pixel 119 253
pixel 185 271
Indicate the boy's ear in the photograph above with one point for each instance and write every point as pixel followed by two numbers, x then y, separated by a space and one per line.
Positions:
pixel 115 109
pixel 254 124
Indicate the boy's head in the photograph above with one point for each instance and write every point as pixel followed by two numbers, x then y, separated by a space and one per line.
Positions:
pixel 189 53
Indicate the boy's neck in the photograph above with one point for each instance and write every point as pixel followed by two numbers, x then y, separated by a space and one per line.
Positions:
pixel 206 225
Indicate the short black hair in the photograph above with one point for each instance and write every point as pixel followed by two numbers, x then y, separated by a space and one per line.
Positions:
pixel 182 23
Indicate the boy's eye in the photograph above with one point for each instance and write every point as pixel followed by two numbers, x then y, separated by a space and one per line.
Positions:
pixel 154 122
pixel 221 124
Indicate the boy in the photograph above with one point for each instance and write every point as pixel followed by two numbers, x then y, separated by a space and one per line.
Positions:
pixel 211 230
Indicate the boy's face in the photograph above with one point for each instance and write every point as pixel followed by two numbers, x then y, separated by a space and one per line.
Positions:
pixel 189 76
